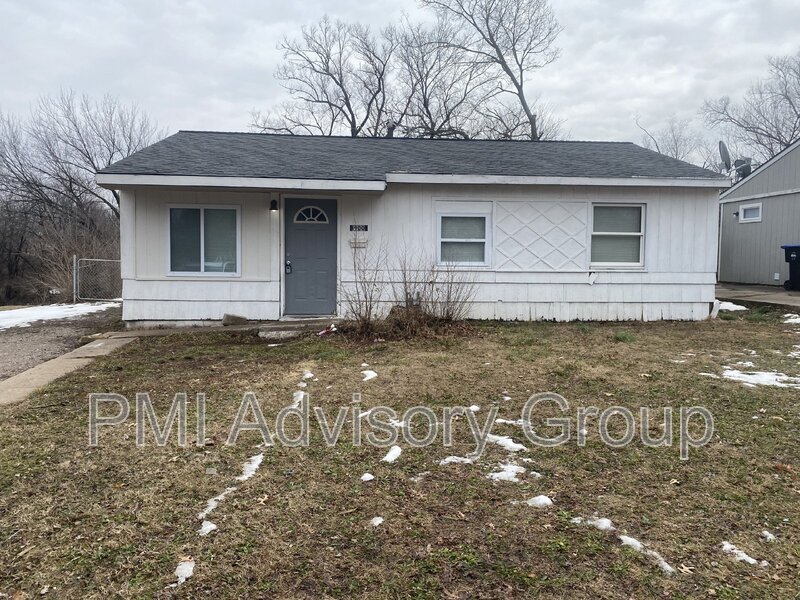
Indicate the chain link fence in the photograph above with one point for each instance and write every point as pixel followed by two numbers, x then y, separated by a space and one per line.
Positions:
pixel 96 279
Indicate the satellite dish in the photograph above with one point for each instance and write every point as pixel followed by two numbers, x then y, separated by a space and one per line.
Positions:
pixel 725 155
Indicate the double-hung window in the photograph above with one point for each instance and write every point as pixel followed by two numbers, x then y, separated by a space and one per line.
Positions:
pixel 464 239
pixel 204 240
pixel 617 235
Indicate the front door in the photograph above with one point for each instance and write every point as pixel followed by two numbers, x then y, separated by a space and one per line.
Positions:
pixel 310 261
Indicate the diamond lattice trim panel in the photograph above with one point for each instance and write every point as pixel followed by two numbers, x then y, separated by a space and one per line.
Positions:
pixel 541 236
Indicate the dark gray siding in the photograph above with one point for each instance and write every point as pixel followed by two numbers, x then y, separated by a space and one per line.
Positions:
pixel 751 252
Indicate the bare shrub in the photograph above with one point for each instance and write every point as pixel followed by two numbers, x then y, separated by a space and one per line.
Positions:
pixel 362 297
pixel 450 293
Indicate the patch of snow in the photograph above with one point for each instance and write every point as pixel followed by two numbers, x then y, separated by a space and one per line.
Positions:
pixel 297 398
pixel 420 476
pixel 364 365
pixel 639 547
pixel 505 442
pixel 393 454
pixel 745 363
pixel 308 375
pixel 712 375
pixel 791 318
pixel 518 422
pixel 250 467
pixel 376 521
pixel 769 378
pixel 367 477
pixel 206 528
pixel 677 362
pixel 505 396
pixel 507 472
pixel 474 408
pixel 740 555
pixel 731 306
pixel 302 384
pixel 213 503
pixel 795 353
pixel 767 536
pixel 600 523
pixel 539 501
pixel 23 317
pixel 459 460
pixel 184 570
pixel 368 374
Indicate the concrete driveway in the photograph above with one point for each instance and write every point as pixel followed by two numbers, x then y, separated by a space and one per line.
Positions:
pixel 758 293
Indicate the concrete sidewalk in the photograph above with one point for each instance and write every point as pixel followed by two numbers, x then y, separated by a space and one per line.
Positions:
pixel 17 388
pixel 762 294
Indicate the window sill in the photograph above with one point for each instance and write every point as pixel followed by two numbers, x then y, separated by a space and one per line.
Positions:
pixel 204 275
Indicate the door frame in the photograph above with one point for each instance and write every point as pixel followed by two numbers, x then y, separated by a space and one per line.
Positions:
pixel 282 197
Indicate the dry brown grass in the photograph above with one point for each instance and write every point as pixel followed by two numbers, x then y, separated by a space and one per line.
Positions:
pixel 114 520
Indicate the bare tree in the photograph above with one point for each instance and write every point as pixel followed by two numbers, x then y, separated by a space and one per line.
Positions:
pixel 677 138
pixel 499 121
pixel 51 206
pixel 337 76
pixel 440 87
pixel 51 159
pixel 767 119
pixel 514 37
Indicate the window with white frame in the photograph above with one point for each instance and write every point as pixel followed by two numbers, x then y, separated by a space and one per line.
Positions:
pixel 750 213
pixel 204 240
pixel 463 239
pixel 617 235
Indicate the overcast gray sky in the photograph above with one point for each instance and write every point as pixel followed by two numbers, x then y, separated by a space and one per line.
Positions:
pixel 205 64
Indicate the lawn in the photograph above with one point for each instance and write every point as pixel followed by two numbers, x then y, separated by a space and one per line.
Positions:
pixel 115 520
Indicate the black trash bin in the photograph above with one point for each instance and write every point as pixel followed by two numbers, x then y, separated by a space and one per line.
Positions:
pixel 793 258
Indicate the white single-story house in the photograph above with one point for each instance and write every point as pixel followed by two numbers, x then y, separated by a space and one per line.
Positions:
pixel 758 215
pixel 265 226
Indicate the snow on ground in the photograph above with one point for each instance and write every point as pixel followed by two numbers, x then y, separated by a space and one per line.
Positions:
pixel 23 317
pixel 518 422
pixel 368 374
pixel 206 528
pixel 297 398
pixel 712 375
pixel 459 460
pixel 795 353
pixel 506 442
pixel 640 547
pixel 731 306
pixel 507 472
pixel 754 378
pixel 376 521
pixel 597 522
pixel 308 375
pixel 745 363
pixel 767 536
pixel 393 454
pixel 538 502
pixel 505 396
pixel 183 571
pixel 250 467
pixel 367 477
pixel 791 318
pixel 741 556
pixel 474 408
pixel 213 503
pixel 420 476
pixel 302 384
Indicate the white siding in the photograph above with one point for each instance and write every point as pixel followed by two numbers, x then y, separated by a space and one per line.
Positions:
pixel 541 239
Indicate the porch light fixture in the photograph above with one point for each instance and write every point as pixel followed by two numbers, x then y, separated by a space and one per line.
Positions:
pixel 273 205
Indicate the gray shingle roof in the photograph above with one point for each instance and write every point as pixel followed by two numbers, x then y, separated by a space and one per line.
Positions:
pixel 220 154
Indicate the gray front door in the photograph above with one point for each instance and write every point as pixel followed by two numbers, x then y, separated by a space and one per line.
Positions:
pixel 310 261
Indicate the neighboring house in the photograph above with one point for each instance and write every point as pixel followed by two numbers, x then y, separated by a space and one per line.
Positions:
pixel 265 226
pixel 758 215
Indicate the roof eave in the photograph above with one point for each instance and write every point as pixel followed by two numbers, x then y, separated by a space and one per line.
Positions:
pixel 121 180
pixel 431 178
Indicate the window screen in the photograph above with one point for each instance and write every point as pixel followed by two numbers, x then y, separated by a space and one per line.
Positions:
pixel 617 234
pixel 463 239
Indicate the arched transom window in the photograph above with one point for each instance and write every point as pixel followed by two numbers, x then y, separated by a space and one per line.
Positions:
pixel 310 214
